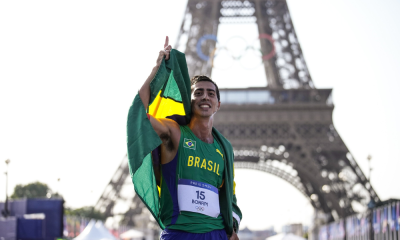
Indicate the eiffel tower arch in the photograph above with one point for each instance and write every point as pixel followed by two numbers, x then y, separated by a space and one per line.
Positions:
pixel 284 129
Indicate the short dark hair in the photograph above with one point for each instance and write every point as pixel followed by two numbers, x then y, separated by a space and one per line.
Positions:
pixel 202 78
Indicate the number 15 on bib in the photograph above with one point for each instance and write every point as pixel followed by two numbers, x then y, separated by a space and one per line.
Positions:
pixel 199 197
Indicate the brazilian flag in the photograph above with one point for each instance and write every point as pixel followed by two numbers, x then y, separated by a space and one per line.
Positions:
pixel 190 144
pixel 170 92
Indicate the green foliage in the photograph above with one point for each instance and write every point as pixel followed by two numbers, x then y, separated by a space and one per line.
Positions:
pixel 305 235
pixel 31 190
pixel 86 212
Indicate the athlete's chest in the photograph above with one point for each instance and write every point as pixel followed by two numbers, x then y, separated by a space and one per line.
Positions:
pixel 201 161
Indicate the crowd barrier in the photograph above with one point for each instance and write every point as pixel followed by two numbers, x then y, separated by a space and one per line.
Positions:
pixel 380 223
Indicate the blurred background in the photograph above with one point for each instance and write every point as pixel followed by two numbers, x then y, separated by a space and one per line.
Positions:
pixel 69 72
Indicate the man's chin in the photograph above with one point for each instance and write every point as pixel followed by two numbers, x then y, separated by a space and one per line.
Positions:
pixel 207 115
pixel 204 114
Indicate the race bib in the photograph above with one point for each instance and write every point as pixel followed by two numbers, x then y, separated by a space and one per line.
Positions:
pixel 199 197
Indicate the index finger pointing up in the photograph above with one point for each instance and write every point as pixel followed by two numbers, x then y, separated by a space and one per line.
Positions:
pixel 166 42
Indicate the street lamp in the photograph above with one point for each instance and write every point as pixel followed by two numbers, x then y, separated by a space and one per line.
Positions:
pixel 370 169
pixel 5 212
pixel 371 203
pixel 58 187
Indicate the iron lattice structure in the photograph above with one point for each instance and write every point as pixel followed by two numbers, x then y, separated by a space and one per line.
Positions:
pixel 284 129
pixel 285 69
pixel 290 134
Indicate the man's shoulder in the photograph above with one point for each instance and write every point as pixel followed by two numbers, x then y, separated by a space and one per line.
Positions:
pixel 215 131
pixel 174 129
pixel 170 123
pixel 224 141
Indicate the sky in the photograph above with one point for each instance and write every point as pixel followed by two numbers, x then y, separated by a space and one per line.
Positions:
pixel 70 70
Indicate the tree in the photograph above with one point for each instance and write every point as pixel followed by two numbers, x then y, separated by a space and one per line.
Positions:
pixel 86 212
pixel 31 190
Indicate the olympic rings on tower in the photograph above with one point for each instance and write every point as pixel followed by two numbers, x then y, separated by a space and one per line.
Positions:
pixel 235 49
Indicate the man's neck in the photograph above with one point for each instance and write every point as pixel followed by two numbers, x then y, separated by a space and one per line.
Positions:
pixel 202 128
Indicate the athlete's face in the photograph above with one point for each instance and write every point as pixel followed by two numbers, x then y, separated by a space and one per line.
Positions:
pixel 204 99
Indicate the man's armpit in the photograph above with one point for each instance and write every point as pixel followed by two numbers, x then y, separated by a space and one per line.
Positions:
pixel 167 141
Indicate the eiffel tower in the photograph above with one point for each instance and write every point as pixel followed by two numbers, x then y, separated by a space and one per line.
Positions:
pixel 284 129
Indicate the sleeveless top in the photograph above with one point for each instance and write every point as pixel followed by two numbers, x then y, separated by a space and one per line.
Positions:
pixel 198 162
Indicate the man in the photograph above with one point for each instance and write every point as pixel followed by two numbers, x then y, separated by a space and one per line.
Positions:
pixel 195 166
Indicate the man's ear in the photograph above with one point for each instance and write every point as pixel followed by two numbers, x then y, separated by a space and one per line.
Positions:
pixel 219 105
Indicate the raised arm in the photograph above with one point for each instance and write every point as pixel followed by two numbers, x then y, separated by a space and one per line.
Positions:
pixel 167 129
pixel 144 91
